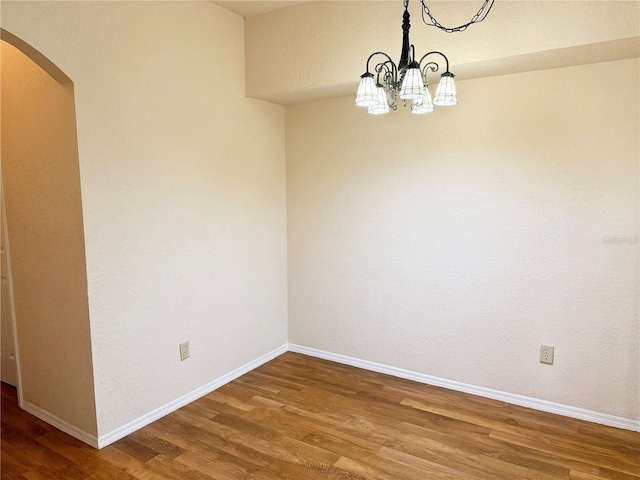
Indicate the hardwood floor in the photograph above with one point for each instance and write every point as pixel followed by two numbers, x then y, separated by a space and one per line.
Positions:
pixel 300 418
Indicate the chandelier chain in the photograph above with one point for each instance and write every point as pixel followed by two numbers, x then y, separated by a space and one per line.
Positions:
pixel 430 20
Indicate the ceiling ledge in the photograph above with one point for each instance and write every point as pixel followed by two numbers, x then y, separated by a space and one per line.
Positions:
pixel 612 50
pixel 557 58
pixel 319 50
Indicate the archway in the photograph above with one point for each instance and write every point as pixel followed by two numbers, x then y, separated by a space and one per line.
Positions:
pixel 41 186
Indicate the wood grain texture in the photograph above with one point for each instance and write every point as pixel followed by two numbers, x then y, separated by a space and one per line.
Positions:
pixel 301 418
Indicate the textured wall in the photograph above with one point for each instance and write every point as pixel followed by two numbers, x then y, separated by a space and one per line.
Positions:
pixel 323 46
pixel 183 188
pixel 452 245
pixel 44 216
pixel 456 243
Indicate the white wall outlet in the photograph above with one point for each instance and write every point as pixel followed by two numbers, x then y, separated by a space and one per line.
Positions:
pixel 184 351
pixel 546 354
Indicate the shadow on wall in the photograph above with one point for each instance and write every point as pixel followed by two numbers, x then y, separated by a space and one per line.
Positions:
pixel 41 182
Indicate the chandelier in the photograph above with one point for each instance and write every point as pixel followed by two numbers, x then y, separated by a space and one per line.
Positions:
pixel 406 80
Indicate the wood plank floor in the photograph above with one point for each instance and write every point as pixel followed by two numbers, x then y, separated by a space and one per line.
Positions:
pixel 300 418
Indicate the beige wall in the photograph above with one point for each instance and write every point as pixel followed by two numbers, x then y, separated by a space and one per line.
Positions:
pixel 452 245
pixel 44 217
pixel 183 189
pixel 456 243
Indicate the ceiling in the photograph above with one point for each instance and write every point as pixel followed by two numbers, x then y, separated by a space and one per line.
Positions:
pixel 308 38
pixel 250 8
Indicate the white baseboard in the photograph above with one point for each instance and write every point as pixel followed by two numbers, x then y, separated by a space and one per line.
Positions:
pixel 60 424
pixel 534 403
pixel 117 434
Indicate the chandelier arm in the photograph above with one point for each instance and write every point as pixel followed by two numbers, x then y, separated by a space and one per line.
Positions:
pixel 480 15
pixel 388 68
pixel 435 52
pixel 433 66
pixel 384 54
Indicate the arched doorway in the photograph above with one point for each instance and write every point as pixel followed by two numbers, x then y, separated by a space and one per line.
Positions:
pixel 41 187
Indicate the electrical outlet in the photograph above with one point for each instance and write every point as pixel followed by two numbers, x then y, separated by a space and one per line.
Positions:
pixel 184 351
pixel 546 354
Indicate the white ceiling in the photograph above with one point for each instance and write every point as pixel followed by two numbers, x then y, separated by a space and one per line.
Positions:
pixel 250 8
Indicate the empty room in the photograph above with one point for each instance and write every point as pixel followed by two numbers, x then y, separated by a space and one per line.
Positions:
pixel 257 240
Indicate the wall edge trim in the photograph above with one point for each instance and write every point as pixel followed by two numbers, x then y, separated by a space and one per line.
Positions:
pixel 146 419
pixel 512 398
pixel 36 56
pixel 60 424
